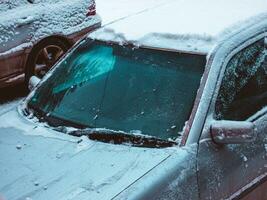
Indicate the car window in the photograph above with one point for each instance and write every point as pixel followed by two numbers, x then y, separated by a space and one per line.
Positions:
pixel 244 86
pixel 118 87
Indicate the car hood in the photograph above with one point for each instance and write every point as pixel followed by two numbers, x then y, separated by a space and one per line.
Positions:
pixel 39 163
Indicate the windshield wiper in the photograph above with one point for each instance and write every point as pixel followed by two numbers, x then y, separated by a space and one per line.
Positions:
pixel 52 120
pixel 120 137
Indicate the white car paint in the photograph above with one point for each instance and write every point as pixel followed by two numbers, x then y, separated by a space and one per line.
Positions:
pixel 45 164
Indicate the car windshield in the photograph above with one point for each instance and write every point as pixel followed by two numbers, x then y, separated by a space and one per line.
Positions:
pixel 121 87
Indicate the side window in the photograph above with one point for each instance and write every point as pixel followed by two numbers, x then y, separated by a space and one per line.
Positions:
pixel 244 86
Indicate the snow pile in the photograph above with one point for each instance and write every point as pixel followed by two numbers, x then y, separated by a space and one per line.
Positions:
pixel 182 25
pixel 30 22
pixel 192 43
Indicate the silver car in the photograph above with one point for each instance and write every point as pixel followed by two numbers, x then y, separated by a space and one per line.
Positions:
pixel 140 111
pixel 35 34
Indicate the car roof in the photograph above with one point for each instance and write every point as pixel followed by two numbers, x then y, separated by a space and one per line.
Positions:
pixel 183 25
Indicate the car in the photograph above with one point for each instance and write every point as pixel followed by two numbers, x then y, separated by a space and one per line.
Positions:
pixel 166 104
pixel 34 34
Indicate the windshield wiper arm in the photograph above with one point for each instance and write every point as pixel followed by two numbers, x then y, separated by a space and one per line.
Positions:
pixel 52 120
pixel 120 137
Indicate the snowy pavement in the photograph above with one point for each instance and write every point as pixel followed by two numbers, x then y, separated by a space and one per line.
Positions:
pixel 9 105
pixel 113 10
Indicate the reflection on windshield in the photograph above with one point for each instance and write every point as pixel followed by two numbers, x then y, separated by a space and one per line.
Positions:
pixel 98 62
pixel 121 88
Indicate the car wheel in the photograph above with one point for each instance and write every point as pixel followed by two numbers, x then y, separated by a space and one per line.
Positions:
pixel 43 56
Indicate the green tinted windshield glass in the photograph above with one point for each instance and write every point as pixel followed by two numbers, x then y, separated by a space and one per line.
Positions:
pixel 122 88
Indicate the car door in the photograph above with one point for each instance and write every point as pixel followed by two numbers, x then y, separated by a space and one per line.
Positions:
pixel 236 170
pixel 17 28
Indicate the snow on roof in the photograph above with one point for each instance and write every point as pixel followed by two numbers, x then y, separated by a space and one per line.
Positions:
pixel 186 25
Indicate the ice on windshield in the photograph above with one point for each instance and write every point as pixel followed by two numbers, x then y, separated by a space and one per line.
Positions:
pixel 87 66
pixel 123 88
pixel 244 69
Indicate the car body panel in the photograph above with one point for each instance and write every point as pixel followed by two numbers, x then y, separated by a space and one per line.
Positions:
pixel 32 22
pixel 231 171
pixel 174 179
pixel 11 66
pixel 258 192
pixel 58 166
pixel 208 86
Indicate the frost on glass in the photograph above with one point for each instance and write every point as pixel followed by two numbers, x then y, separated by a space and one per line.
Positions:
pixel 121 88
pixel 87 67
pixel 244 84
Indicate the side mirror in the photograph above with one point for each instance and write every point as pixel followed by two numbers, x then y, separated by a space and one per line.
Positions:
pixel 33 82
pixel 232 132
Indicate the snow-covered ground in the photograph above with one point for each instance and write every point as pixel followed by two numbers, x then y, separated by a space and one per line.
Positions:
pixel 113 10
pixel 194 26
pixel 9 105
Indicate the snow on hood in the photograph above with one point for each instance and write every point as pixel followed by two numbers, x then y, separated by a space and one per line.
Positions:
pixel 42 19
pixel 39 163
pixel 187 25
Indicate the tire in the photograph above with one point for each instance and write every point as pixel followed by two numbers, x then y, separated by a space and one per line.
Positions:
pixel 43 56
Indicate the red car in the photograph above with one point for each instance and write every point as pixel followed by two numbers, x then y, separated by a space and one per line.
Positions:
pixel 35 34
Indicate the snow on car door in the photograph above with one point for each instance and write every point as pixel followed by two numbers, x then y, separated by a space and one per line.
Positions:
pixel 233 171
pixel 16 27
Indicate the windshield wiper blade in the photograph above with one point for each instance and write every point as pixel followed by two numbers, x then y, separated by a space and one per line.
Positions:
pixel 120 137
pixel 52 120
